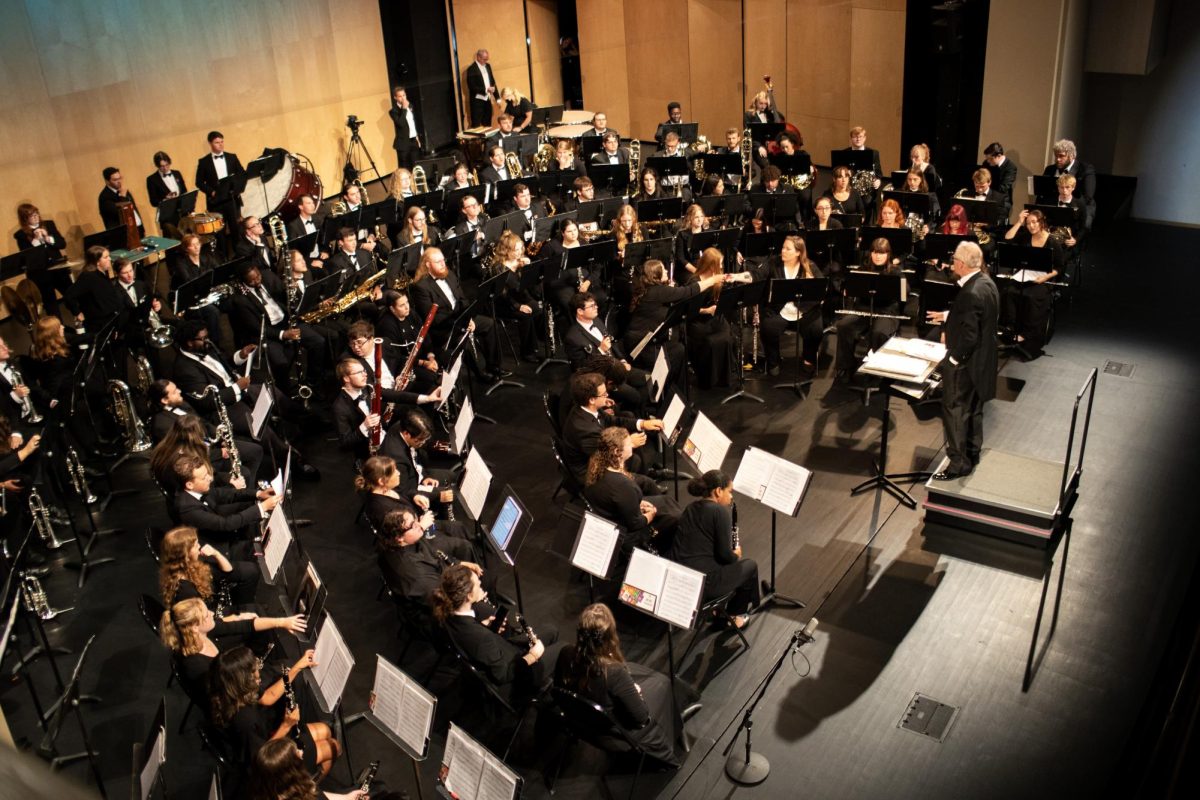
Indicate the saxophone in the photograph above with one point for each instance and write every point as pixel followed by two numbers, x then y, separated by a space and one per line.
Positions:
pixel 78 478
pixel 136 440
pixel 33 596
pixel 328 308
pixel 635 159
pixel 225 431
pixel 41 520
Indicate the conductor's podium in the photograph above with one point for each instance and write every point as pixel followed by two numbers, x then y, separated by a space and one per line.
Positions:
pixel 1013 497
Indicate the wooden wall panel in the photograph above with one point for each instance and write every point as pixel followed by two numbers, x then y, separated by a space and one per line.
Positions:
pixel 658 62
pixel 497 26
pixel 101 85
pixel 766 49
pixel 603 60
pixel 877 79
pixel 543 42
pixel 715 62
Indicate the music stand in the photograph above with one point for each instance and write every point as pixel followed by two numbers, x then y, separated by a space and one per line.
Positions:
pixel 688 131
pixel 149 756
pixel 729 206
pixel 668 208
pixel 503 191
pixel 109 239
pixel 811 292
pixel 68 702
pixel 763 245
pixel 795 164
pixel 452 201
pixel 612 178
pixel 910 202
pixel 513 221
pixel 784 205
pixel 393 712
pixel 764 472
pixel 600 212
pixel 22 261
pixel 1044 187
pixel 556 182
pixel 735 300
pixel 486 294
pixel 544 115
pixel 669 167
pixel 172 209
pixel 941 246
pixel 430 201
pixel 835 246
pixel 900 239
pixel 981 210
pixel 856 160
pixel 723 239
pixel 1056 216
pixel 1012 262
pixel 762 132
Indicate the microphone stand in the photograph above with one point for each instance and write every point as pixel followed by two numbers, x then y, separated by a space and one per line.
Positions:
pixel 753 768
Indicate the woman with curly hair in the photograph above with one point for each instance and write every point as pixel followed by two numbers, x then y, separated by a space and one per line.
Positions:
pixel 638 697
pixel 634 502
pixel 277 773
pixel 186 567
pixel 250 715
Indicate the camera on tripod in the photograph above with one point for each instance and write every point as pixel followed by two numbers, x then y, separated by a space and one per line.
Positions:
pixel 353 123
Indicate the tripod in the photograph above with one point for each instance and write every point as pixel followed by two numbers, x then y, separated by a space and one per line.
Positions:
pixel 351 172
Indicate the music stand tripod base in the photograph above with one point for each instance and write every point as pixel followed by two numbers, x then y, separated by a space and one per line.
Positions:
pixel 747 773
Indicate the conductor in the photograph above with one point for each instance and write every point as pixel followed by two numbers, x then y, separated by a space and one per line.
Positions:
pixel 969 370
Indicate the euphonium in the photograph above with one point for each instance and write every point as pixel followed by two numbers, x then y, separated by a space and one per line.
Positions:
pixel 512 163
pixel 41 521
pixel 225 430
pixel 143 374
pixel 136 440
pixel 635 159
pixel 78 478
pixel 420 180
pixel 279 237
pixel 543 157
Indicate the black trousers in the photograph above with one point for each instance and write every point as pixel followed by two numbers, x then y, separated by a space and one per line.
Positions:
pixel 962 417
pixel 741 578
pixel 851 326
pixel 771 328
pixel 406 153
pixel 481 113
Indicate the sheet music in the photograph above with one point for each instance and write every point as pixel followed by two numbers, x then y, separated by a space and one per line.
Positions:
pixel 334 662
pixel 156 757
pixel 706 446
pixel 496 782
pixel 659 373
pixel 662 588
pixel 462 425
pixel 450 380
pixel 594 548
pixel 917 348
pixel 277 485
pixel 473 490
pixel 402 705
pixel 1028 276
pixel 471 772
pixel 262 410
pixel 895 364
pixel 279 536
pixel 287 470
pixel 671 418
pixel 775 482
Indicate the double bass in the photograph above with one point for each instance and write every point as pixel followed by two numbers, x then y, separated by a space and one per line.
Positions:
pixel 773 146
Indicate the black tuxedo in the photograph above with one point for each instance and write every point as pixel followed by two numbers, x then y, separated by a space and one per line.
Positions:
pixel 350 271
pixel 969 371
pixel 751 118
pixel 296 229
pixel 110 203
pixel 156 187
pixel 580 344
pixel 192 376
pixel 220 515
pixel 1003 178
pixel 622 156
pixel 248 309
pixel 426 292
pixel 206 177
pixel 581 435
pixel 490 174
pixel 406 143
pixel 259 253
pixel 481 109
pixel 348 415
pixel 593 132
pixel 507 141
pixel 416 570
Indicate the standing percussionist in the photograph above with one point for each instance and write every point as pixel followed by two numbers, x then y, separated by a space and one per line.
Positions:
pixel 164 182
pixel 112 197
pixel 969 370
pixel 211 169
pixel 481 85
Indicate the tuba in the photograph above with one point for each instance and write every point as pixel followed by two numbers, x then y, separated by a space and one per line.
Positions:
pixel 136 440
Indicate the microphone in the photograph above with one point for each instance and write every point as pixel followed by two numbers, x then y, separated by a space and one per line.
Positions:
pixel 805 636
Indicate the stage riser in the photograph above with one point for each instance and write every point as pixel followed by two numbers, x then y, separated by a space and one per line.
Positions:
pixel 987 525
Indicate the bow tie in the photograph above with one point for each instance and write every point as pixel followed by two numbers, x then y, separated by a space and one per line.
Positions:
pixel 218 156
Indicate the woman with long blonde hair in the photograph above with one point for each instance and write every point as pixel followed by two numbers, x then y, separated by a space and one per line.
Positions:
pixel 634 502
pixel 515 302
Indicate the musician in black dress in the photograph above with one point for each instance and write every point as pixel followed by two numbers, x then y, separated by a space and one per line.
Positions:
pixel 187 628
pixel 37 232
pixel 638 697
pixel 709 335
pixel 919 156
pixel 575 279
pixel 850 326
pixel 844 197
pixel 517 106
pixel 648 186
pixel 277 771
pixel 635 502
pixel 778 314
pixel 1025 305
pixel 514 302
pixel 514 659
pixel 250 715
pixel 704 542
pixel 686 253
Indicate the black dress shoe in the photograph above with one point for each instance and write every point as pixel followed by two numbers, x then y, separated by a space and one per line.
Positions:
pixel 950 474
pixel 308 472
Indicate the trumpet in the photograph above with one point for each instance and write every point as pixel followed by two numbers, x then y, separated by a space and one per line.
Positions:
pixel 41 521
pixel 33 595
pixel 78 478
pixel 27 410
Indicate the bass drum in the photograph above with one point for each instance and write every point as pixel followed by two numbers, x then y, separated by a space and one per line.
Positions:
pixel 281 193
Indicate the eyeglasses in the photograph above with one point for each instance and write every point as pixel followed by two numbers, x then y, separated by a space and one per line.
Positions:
pixel 590 305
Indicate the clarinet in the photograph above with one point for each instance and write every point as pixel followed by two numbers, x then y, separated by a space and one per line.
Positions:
pixel 368 775
pixel 260 661
pixel 289 696
pixel 523 627
pixel 736 539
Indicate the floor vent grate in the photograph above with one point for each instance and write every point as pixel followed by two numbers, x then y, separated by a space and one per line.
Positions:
pixel 1119 369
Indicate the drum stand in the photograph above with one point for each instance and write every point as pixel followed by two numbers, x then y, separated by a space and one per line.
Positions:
pixel 351 172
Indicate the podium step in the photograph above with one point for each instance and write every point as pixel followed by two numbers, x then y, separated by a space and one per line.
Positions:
pixel 1010 496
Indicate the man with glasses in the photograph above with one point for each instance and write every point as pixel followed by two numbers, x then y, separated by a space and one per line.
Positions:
pixel 587 337
pixel 472 223
pixel 352 416
pixel 591 411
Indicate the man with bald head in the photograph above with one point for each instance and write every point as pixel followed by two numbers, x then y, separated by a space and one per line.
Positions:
pixel 481 86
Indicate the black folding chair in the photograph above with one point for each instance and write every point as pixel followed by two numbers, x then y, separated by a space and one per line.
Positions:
pixel 588 722
pixel 492 693
pixel 718 607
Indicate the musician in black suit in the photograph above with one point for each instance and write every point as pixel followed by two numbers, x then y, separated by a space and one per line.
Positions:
pixel 355 264
pixel 262 295
pixel 352 416
pixel 981 181
pixel 611 152
pixel 112 197
pixel 218 513
pixel 496 170
pixel 361 340
pixel 164 182
pixel 969 370
pixel 436 284
pixel 309 221
pixel 407 142
pixel 167 405
pixel 1066 163
pixel 858 142
pixel 522 203
pixel 252 244
pixel 405 443
pixel 210 170
pixel 592 410
pixel 1002 168
pixel 504 137
pixel 481 86
pixel 674 117
pixel 412 564
pixel 587 336
pixel 600 126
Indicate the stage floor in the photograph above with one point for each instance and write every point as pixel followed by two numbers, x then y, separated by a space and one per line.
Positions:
pixel 898 613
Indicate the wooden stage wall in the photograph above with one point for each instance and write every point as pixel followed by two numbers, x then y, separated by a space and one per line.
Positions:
pixel 87 84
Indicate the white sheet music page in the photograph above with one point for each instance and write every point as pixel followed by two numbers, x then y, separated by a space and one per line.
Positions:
pixel 279 536
pixel 416 716
pixel 659 373
pixel 496 781
pixel 262 410
pixel 786 487
pixel 476 481
pixel 449 380
pixel 681 592
pixel 672 416
pixel 643 581
pixel 464 762
pixel 753 473
pixel 334 662
pixel 462 426
pixel 387 695
pixel 706 446
pixel 597 539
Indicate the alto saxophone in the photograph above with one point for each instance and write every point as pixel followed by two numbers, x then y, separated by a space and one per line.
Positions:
pixel 78 477
pixel 41 520
pixel 225 431
pixel 136 440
